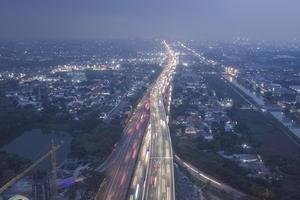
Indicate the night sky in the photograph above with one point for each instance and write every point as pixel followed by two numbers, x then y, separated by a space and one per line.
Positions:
pixel 173 19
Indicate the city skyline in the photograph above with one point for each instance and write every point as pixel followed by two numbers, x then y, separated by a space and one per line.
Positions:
pixel 150 100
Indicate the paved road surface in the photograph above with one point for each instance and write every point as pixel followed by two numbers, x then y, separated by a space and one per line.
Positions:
pixel 121 163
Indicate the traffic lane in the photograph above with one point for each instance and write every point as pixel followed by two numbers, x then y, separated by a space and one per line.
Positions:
pixel 116 173
pixel 122 184
pixel 127 132
pixel 128 137
pixel 139 147
pixel 160 140
pixel 116 186
pixel 161 168
pixel 160 182
pixel 162 150
pixel 139 176
pixel 127 165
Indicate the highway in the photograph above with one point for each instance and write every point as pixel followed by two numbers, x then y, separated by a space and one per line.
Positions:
pixel 127 136
pixel 196 173
pixel 141 166
pixel 120 164
pixel 160 175
pixel 138 180
pixel 154 175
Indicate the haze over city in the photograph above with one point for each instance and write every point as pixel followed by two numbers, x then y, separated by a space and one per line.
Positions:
pixel 149 100
pixel 177 19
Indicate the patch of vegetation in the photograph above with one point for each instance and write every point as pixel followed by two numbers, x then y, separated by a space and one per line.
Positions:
pixel 223 91
pixel 14 121
pixel 277 150
pixel 212 163
pixel 98 142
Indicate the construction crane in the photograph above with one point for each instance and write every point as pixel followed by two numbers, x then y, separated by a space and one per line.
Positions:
pixel 52 153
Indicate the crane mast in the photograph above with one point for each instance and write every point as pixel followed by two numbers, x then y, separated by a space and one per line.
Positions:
pixel 53 172
pixel 52 153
